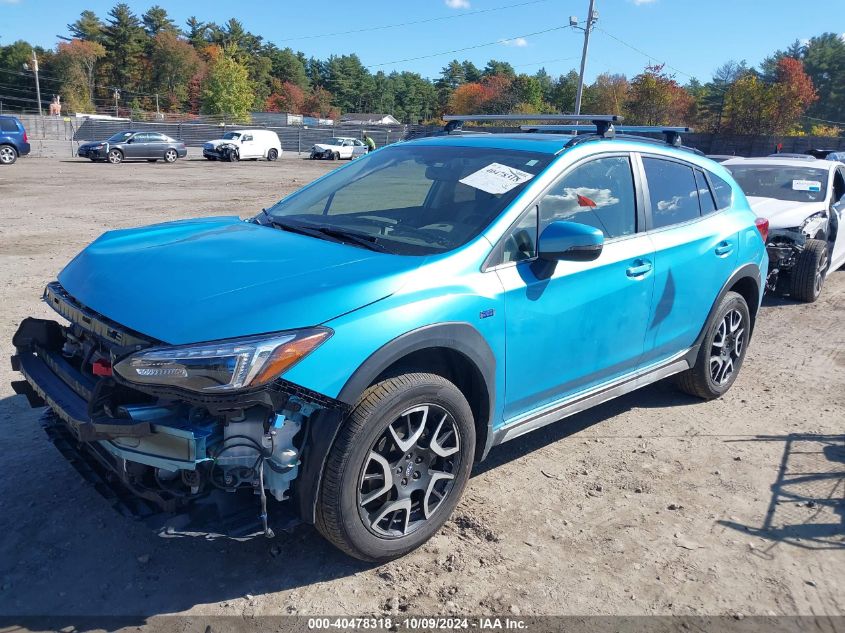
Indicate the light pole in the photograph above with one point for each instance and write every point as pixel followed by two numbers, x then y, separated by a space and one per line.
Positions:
pixel 592 17
pixel 34 69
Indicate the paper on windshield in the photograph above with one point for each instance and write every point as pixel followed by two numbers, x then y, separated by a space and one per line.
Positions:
pixel 806 185
pixel 496 178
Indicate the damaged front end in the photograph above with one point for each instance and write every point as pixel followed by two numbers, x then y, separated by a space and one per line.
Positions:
pixel 784 246
pixel 174 426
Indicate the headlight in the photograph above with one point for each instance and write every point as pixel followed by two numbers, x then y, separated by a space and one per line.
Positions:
pixel 224 365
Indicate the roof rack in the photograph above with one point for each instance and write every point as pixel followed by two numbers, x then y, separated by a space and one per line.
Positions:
pixel 603 124
pixel 672 134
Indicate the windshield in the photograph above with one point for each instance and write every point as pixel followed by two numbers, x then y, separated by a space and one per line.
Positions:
pixel 412 199
pixel 119 137
pixel 231 135
pixel 782 182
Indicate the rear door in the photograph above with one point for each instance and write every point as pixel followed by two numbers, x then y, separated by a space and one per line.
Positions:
pixel 696 250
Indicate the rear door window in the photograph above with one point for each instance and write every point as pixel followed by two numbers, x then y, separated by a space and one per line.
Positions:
pixel 673 192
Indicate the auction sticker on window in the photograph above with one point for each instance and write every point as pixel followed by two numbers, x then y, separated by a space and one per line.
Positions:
pixel 806 185
pixel 496 178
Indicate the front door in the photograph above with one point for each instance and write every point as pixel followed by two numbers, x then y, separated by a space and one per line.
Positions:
pixel 571 325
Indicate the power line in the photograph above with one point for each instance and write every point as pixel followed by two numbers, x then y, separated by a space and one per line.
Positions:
pixel 401 24
pixel 467 48
pixel 642 52
pixel 545 61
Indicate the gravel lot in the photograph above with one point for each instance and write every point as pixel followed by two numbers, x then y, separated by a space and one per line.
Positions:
pixel 651 504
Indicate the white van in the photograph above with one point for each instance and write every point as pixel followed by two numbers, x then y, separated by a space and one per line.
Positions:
pixel 244 145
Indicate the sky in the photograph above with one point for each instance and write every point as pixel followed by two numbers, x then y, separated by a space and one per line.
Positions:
pixel 692 37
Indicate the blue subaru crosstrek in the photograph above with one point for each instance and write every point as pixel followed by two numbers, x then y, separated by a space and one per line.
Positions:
pixel 354 349
pixel 13 140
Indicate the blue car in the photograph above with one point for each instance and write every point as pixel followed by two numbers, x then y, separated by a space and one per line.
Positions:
pixel 353 350
pixel 13 140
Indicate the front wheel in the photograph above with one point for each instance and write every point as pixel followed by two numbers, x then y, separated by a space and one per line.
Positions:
pixel 398 467
pixel 810 271
pixel 722 350
pixel 115 157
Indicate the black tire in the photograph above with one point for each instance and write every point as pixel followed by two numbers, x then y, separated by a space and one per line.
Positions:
pixel 810 271
pixel 334 156
pixel 152 160
pixel 8 155
pixel 708 378
pixel 273 154
pixel 343 515
pixel 115 157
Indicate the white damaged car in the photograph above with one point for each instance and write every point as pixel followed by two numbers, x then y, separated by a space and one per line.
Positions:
pixel 804 201
pixel 338 147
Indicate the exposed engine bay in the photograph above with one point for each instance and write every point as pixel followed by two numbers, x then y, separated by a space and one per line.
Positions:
pixel 167 446
pixel 785 247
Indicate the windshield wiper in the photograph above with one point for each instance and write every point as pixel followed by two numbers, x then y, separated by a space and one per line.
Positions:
pixel 321 232
pixel 360 239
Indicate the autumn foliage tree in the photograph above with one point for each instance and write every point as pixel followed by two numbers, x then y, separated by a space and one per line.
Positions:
pixel 655 98
pixel 755 107
pixel 76 62
pixel 285 97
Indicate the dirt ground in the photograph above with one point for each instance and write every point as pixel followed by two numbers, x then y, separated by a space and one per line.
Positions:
pixel 651 504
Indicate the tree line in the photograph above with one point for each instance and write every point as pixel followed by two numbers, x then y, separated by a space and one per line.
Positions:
pixel 209 68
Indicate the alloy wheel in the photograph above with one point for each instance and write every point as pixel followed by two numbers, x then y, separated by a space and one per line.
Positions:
pixel 727 347
pixel 821 269
pixel 170 156
pixel 115 157
pixel 7 155
pixel 409 471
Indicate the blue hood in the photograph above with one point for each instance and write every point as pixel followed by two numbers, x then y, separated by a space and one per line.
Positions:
pixel 215 278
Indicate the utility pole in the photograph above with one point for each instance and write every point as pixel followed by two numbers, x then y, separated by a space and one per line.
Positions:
pixel 158 113
pixel 116 100
pixel 592 17
pixel 34 69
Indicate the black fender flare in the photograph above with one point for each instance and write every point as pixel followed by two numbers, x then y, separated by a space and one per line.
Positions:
pixel 747 271
pixel 323 426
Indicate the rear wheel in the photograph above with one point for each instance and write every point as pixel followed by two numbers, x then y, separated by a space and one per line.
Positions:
pixel 397 468
pixel 273 154
pixel 722 350
pixel 115 157
pixel 170 156
pixel 810 271
pixel 8 155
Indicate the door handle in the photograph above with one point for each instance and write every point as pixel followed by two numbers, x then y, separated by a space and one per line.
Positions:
pixel 724 248
pixel 640 268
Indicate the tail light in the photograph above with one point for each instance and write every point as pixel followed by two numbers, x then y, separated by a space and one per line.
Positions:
pixel 762 225
pixel 25 139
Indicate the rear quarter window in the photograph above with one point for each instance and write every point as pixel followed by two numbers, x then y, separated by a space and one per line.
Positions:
pixel 722 191
pixel 8 125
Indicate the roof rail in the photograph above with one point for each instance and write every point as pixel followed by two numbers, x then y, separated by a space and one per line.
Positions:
pixel 672 134
pixel 603 124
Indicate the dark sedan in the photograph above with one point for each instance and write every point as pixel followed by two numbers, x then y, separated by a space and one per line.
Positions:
pixel 149 146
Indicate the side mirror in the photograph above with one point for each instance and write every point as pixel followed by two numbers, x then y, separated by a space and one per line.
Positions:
pixel 570 241
pixel 130 140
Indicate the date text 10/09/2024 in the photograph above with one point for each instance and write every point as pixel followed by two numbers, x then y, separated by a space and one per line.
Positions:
pixel 418 623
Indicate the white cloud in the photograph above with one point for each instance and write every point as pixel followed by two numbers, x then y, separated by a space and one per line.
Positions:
pixel 9 1
pixel 642 2
pixel 457 4
pixel 519 42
